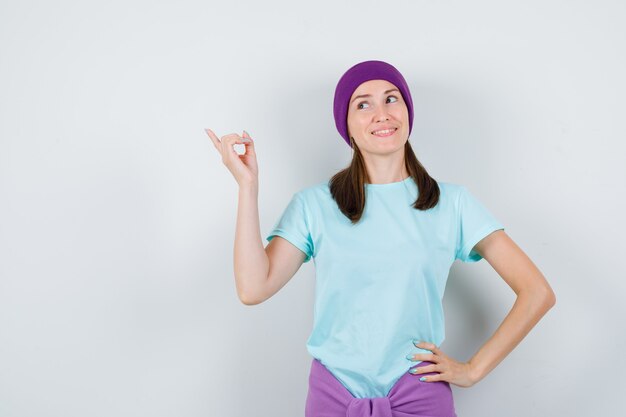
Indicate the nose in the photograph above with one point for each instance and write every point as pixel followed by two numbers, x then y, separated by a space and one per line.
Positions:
pixel 382 115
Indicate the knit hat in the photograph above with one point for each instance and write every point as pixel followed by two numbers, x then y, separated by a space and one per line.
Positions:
pixel 357 75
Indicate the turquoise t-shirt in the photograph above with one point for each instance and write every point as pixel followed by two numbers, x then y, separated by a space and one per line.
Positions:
pixel 380 283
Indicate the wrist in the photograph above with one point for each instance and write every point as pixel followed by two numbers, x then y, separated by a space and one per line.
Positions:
pixel 248 187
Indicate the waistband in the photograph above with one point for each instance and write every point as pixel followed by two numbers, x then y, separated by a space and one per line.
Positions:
pixel 408 397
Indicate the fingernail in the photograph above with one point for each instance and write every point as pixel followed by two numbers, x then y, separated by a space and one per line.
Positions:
pixel 409 357
pixel 423 378
pixel 416 342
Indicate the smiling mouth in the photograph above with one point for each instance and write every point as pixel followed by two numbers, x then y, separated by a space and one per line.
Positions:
pixel 384 133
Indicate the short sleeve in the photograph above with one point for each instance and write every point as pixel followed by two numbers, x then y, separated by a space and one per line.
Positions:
pixel 293 225
pixel 475 222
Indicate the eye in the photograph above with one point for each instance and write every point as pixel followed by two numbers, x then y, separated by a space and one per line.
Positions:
pixel 358 106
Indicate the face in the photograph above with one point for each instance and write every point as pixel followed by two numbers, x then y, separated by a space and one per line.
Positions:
pixel 374 106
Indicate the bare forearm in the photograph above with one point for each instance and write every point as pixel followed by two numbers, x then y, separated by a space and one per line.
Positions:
pixel 529 307
pixel 251 263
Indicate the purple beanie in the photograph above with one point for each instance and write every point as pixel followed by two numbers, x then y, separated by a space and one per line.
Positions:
pixel 357 75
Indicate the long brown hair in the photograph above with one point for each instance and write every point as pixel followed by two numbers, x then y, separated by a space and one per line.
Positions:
pixel 348 185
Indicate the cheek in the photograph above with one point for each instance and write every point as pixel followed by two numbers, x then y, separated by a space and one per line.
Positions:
pixel 401 113
pixel 358 122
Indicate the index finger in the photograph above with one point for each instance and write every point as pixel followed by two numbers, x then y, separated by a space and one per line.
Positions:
pixel 214 138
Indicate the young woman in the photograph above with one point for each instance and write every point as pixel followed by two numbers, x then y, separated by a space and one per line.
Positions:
pixel 383 235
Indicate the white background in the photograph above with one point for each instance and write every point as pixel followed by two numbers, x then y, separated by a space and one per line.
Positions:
pixel 117 216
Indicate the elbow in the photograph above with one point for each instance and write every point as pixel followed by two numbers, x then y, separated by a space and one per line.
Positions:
pixel 551 298
pixel 542 297
pixel 546 294
pixel 248 299
pixel 247 295
pixel 252 291
pixel 248 303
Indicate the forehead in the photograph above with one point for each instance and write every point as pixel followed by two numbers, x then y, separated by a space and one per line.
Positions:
pixel 374 87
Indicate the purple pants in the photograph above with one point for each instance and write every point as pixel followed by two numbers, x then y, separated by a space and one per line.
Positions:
pixel 409 397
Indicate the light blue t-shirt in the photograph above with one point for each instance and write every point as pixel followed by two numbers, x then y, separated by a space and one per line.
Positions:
pixel 380 283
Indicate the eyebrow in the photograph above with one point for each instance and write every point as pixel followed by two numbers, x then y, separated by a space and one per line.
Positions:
pixel 369 95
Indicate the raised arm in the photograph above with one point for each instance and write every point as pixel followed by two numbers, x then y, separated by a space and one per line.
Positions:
pixel 259 272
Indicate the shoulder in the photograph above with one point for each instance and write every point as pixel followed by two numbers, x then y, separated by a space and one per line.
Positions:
pixel 450 191
pixel 315 192
pixel 313 196
pixel 450 186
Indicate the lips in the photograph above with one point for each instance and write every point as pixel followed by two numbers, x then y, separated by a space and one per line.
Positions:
pixel 385 132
